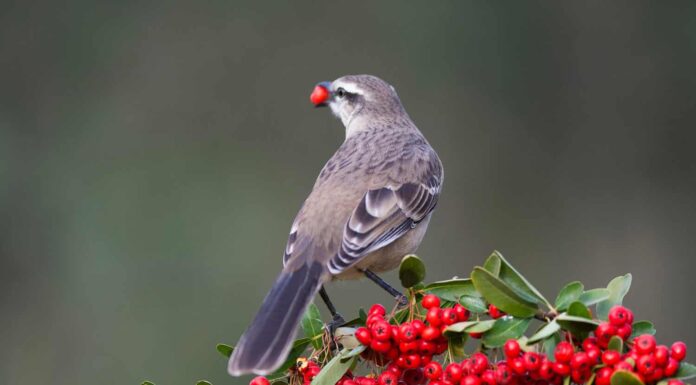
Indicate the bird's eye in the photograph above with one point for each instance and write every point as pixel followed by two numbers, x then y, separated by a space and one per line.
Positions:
pixel 341 92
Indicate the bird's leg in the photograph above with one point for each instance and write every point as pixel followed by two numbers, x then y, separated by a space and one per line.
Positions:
pixel 336 320
pixel 400 298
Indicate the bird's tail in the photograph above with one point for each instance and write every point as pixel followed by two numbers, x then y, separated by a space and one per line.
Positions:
pixel 266 343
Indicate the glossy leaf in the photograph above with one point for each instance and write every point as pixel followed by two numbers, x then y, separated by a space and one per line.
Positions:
pixel 501 295
pixel 642 327
pixel 576 325
pixel 519 283
pixel 334 369
pixel 312 325
pixel 504 329
pixel 579 310
pixel 616 344
pixel 594 296
pixel 355 351
pixel 549 345
pixel 225 350
pixel 203 382
pixel 470 327
pixel 618 287
pixel 456 344
pixel 473 304
pixel 493 263
pixel 686 371
pixel 569 294
pixel 147 383
pixel 545 332
pixel 411 271
pixel 453 289
pixel 623 377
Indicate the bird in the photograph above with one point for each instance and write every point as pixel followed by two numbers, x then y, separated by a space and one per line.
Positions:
pixel 369 207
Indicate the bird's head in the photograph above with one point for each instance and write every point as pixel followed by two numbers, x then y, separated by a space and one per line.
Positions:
pixel 359 100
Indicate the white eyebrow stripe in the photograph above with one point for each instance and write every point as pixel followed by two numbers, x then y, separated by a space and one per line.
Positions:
pixel 350 87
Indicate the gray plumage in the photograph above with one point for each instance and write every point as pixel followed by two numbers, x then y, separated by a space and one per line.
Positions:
pixel 369 207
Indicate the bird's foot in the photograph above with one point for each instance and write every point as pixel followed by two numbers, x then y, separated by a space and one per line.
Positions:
pixel 401 301
pixel 336 322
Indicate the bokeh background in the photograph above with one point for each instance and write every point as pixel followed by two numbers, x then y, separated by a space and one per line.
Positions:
pixel 153 155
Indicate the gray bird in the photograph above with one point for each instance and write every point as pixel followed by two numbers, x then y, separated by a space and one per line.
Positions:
pixel 369 207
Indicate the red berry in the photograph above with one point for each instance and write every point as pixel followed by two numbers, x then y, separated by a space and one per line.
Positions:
pixel 580 361
pixel 675 382
pixel 589 343
pixel 479 363
pixel 671 367
pixel 426 359
pixel 624 331
pixel 392 354
pixel 604 332
pixel 260 380
pixel 408 347
pixel 611 357
pixel 418 325
pixel 503 375
pixel 580 376
pixel 377 309
pixel 363 336
pixel 380 346
pixel 412 361
pixel 431 333
pixel 462 312
pixel 644 344
pixel 661 355
pixel 561 368
pixel 433 316
pixel 511 349
pixel 407 332
pixel 427 347
pixel 471 380
pixel 430 301
pixel 453 373
pixel 531 361
pixel 387 378
pixel 646 364
pixel 494 312
pixel 414 377
pixel 488 377
pixel 449 316
pixel 394 368
pixel 433 370
pixel 564 351
pixel 624 365
pixel 546 370
pixel 517 366
pixel 603 376
pixel 381 331
pixel 678 351
pixel 319 95
pixel 619 315
pixel 593 355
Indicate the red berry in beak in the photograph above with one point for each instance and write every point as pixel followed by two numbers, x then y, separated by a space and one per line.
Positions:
pixel 319 95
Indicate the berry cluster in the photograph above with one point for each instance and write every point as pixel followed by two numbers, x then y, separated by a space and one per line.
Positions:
pixel 407 354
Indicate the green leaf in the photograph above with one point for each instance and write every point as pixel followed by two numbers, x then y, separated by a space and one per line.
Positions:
pixel 579 310
pixel 225 350
pixel 569 294
pixel 334 369
pixel 686 371
pixel 455 344
pixel 147 383
pixel 501 295
pixel 312 325
pixel 576 325
pixel 504 329
pixel 545 332
pixel 203 382
pixel 549 345
pixel 514 279
pixel 623 377
pixel 473 304
pixel 616 344
pixel 355 351
pixel 453 289
pixel 593 296
pixel 642 327
pixel 469 327
pixel 411 271
pixel 492 264
pixel 298 347
pixel 618 287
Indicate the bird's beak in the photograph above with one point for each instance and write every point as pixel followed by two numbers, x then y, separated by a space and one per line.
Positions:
pixel 321 94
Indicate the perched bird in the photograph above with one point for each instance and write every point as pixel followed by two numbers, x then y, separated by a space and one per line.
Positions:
pixel 369 207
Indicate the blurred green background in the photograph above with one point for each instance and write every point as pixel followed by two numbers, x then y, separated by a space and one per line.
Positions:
pixel 153 155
